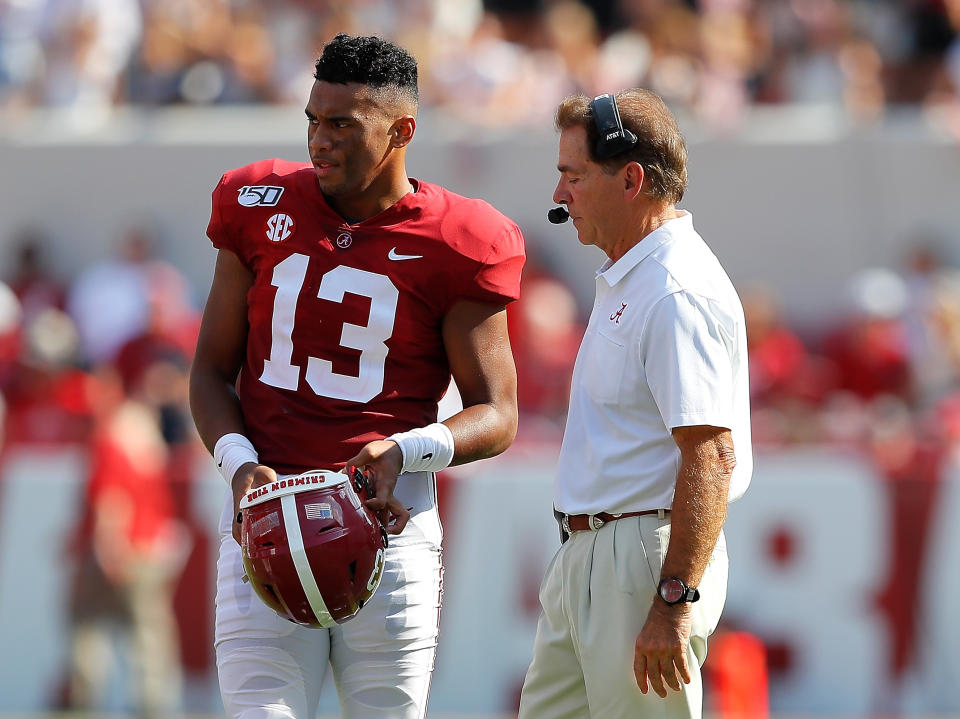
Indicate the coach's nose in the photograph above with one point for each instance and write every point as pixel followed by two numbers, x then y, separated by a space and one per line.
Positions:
pixel 561 195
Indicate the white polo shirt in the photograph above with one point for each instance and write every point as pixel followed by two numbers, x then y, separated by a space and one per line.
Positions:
pixel 665 347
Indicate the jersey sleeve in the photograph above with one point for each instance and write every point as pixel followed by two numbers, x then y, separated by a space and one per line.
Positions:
pixel 686 353
pixel 217 229
pixel 226 227
pixel 488 253
pixel 498 279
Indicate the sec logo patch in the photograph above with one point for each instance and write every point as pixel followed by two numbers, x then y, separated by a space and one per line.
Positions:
pixel 279 227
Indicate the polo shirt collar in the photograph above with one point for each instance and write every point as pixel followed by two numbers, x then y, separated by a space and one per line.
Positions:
pixel 613 272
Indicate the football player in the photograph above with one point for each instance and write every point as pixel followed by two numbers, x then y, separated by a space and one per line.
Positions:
pixel 345 294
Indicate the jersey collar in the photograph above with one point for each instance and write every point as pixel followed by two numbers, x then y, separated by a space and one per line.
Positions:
pixel 406 208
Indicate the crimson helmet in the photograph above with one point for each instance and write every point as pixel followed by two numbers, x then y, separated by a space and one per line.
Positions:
pixel 311 548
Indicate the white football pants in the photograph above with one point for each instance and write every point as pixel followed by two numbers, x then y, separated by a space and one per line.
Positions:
pixel 382 659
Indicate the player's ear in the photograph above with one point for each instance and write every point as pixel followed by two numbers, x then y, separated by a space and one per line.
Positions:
pixel 401 131
pixel 633 176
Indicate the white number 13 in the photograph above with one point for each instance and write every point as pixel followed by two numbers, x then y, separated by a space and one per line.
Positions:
pixel 370 339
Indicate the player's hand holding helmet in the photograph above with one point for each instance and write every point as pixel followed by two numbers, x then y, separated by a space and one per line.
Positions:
pixel 311 548
pixel 381 461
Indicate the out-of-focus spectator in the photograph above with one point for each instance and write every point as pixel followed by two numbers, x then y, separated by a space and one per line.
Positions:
pixel 21 52
pixel 31 280
pixel 942 101
pixel 545 334
pixel 573 35
pixel 87 46
pixel 11 317
pixel 945 319
pixel 778 358
pixel 894 441
pixel 728 52
pixel 674 38
pixel 862 69
pixel 813 73
pixel 932 321
pixel 154 364
pixel 120 298
pixel 623 60
pixel 46 394
pixel 787 383
pixel 129 550
pixel 869 350
pixel 108 300
pixel 488 79
pixel 10 313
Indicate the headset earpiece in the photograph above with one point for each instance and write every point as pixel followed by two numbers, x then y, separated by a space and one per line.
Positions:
pixel 613 138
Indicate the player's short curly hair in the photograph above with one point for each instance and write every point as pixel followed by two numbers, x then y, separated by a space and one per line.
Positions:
pixel 660 147
pixel 370 61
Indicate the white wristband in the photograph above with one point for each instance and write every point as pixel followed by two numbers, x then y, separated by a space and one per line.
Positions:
pixel 427 449
pixel 231 452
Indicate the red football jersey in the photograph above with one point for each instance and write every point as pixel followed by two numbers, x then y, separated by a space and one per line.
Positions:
pixel 345 344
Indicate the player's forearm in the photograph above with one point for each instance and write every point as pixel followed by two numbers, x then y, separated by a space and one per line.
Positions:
pixel 214 405
pixel 482 430
pixel 698 513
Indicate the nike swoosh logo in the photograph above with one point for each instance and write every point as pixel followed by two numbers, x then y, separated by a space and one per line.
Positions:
pixel 394 255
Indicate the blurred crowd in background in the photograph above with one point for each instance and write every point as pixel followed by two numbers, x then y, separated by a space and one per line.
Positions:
pixel 498 62
pixel 881 373
pixel 100 363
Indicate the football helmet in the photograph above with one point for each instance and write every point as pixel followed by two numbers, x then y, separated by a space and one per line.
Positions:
pixel 311 548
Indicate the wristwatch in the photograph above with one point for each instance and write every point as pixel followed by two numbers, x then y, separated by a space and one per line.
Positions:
pixel 674 590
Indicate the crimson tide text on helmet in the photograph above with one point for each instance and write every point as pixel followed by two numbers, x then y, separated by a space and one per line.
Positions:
pixel 311 548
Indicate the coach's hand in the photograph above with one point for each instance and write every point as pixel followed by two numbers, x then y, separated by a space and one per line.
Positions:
pixel 381 460
pixel 249 476
pixel 660 655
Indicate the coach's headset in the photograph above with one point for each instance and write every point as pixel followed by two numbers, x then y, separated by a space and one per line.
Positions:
pixel 612 139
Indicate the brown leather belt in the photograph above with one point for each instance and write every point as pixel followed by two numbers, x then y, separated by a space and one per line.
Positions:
pixel 584 522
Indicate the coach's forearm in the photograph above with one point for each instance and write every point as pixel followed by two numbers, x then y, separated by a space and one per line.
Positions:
pixel 699 509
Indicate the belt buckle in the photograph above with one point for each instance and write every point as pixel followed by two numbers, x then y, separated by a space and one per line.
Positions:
pixel 595 522
pixel 565 523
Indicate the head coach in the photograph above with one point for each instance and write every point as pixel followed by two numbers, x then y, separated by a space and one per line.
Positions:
pixel 657 440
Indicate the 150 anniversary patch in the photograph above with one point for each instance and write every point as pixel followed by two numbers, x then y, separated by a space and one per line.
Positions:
pixel 259 195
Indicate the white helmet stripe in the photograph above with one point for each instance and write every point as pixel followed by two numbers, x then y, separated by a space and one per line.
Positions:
pixel 288 505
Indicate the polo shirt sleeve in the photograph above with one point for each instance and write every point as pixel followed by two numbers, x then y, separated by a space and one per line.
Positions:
pixel 687 354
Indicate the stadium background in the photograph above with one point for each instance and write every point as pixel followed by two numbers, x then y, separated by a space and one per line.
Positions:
pixel 825 174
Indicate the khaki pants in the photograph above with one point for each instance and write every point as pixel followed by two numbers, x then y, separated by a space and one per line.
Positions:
pixel 595 598
pixel 143 609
